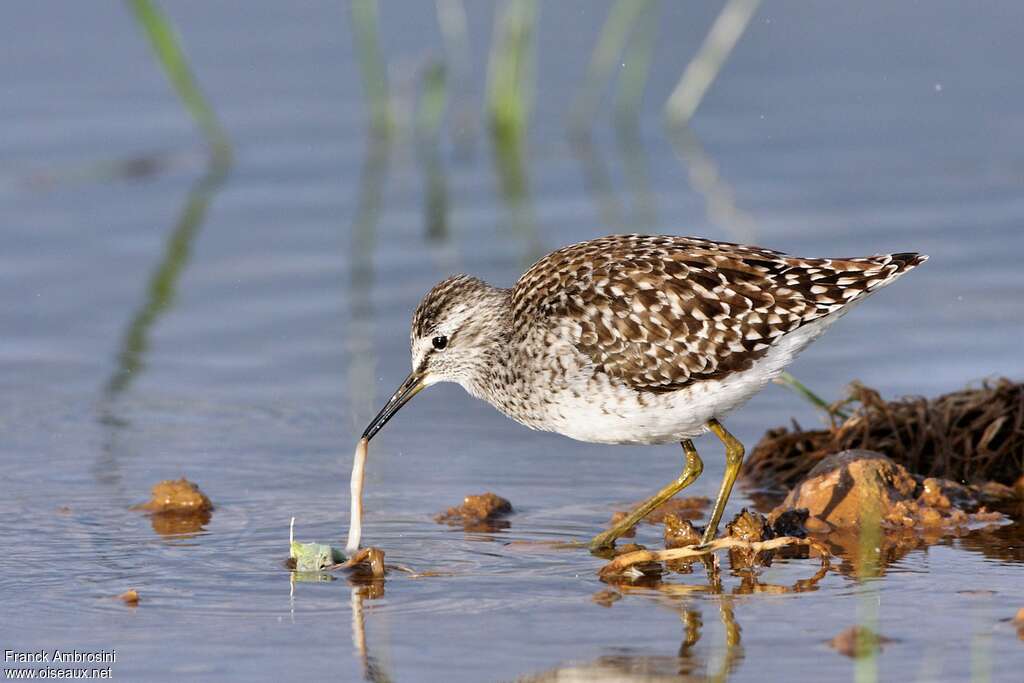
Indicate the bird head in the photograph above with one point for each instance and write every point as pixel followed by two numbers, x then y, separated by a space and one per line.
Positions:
pixel 456 332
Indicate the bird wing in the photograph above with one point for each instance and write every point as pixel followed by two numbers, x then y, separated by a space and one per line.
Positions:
pixel 660 312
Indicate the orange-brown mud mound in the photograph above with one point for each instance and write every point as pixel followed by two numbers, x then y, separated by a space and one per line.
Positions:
pixel 177 506
pixel 482 512
pixel 972 435
pixel 130 597
pixel 853 488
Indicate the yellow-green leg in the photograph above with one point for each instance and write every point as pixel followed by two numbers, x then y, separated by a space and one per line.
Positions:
pixel 733 461
pixel 694 466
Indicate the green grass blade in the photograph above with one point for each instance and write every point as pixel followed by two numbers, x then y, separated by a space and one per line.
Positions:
pixel 167 47
pixel 374 71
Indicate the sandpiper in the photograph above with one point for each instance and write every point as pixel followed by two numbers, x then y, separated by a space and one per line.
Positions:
pixel 635 339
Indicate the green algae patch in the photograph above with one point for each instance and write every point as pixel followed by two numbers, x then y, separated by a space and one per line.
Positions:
pixel 311 557
pixel 314 558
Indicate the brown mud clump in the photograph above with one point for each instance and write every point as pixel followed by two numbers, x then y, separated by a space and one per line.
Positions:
pixel 858 641
pixel 750 527
pixel 483 512
pixel 680 533
pixel 130 597
pixel 850 488
pixel 632 562
pixel 972 435
pixel 365 563
pixel 177 506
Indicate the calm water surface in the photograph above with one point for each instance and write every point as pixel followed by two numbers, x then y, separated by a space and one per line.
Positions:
pixel 241 333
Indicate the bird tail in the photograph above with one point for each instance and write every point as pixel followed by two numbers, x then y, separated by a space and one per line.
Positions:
pixel 884 269
pixel 834 284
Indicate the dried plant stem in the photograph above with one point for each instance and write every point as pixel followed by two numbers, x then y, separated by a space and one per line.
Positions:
pixel 623 562
pixel 704 67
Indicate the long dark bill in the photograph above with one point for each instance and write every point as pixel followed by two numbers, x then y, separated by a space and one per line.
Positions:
pixel 412 385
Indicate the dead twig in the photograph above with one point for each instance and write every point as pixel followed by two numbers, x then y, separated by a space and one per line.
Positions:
pixel 623 562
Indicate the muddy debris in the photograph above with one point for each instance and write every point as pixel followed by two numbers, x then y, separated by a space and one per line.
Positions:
pixel 791 523
pixel 858 641
pixel 750 527
pixel 130 597
pixel 176 495
pixel 482 512
pixel 751 542
pixel 176 507
pixel 972 435
pixel 680 533
pixel 846 489
pixel 606 598
pixel 366 563
pixel 632 562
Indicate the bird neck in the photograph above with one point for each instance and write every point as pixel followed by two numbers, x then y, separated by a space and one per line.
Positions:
pixel 493 327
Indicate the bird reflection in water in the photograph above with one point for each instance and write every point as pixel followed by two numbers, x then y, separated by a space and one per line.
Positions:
pixel 689 601
pixel 366 589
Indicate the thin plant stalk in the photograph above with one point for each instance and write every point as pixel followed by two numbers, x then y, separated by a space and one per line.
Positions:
pixel 451 17
pixel 510 70
pixel 361 347
pixel 636 63
pixel 372 67
pixel 702 70
pixel 163 283
pixel 167 47
pixel 510 83
pixel 801 389
pixel 605 58
pixel 598 180
pixel 868 568
pixel 634 170
pixel 636 66
pixel 429 116
pixel 719 196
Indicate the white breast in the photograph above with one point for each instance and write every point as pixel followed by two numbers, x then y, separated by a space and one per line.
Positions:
pixel 600 412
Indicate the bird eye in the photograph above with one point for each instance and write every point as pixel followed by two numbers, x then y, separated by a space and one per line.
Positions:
pixel 440 342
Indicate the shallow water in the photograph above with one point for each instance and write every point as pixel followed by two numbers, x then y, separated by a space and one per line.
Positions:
pixel 243 333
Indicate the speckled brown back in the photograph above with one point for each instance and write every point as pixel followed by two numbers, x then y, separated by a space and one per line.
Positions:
pixel 660 312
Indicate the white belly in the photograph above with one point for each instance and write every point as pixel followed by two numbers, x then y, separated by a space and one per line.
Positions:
pixel 603 413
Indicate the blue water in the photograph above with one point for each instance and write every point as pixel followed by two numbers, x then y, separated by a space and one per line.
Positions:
pixel 248 349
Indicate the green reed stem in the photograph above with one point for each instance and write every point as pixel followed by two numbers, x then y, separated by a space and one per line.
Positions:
pixel 510 71
pixel 372 67
pixel 636 65
pixel 167 46
pixel 429 115
pixel 801 389
pixel 703 69
pixel 605 59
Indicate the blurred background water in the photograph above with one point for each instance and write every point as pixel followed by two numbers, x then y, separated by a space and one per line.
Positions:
pixel 230 302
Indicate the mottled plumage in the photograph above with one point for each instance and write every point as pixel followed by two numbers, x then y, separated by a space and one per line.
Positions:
pixel 635 339
pixel 660 312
